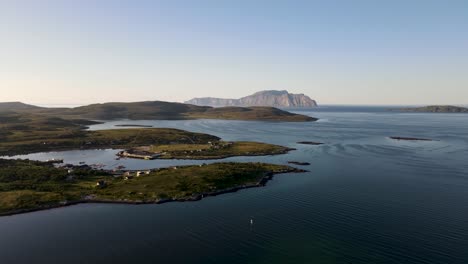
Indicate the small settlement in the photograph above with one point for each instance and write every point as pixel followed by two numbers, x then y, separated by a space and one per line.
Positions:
pixel 138 154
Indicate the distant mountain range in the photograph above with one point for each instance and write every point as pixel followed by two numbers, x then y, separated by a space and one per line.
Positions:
pixel 437 109
pixel 271 98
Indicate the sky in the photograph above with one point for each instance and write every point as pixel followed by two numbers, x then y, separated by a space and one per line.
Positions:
pixel 367 52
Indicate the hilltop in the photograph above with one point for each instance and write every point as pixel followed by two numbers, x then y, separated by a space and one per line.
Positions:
pixel 158 110
pixel 16 106
pixel 270 98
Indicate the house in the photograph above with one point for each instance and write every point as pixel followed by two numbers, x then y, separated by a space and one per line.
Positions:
pixel 101 184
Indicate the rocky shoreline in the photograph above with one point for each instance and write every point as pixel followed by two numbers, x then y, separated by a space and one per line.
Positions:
pixel 195 197
pixel 285 150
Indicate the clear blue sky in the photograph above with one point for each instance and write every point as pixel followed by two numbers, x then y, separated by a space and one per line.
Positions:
pixel 338 52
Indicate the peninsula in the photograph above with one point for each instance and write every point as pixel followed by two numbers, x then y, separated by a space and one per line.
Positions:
pixel 32 185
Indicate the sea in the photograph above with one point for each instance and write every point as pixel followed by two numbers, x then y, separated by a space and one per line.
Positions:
pixel 366 198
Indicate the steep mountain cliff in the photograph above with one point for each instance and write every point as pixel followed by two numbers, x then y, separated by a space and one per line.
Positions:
pixel 263 98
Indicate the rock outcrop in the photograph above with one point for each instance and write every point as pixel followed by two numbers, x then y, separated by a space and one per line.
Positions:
pixel 263 98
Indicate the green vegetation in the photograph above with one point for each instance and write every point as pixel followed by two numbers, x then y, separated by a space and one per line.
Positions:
pixel 250 113
pixel 216 150
pixel 26 184
pixel 23 134
pixel 157 110
pixel 31 185
pixel 188 181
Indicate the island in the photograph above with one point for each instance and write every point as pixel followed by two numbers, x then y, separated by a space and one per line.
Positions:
pixel 436 109
pixel 27 185
pixel 309 143
pixel 210 150
pixel 411 139
pixel 272 98
pixel 300 163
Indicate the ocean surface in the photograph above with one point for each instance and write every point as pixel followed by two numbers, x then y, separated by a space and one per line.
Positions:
pixel 365 199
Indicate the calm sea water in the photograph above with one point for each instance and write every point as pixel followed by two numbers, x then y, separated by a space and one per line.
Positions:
pixel 366 199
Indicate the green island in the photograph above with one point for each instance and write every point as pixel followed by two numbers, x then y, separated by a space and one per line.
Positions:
pixel 210 150
pixel 32 185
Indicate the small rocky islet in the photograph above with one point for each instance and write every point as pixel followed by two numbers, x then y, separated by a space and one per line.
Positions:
pixel 313 143
pixel 411 139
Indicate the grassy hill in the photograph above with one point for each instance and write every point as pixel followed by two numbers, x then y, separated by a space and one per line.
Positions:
pixel 158 110
pixel 250 113
pixel 17 106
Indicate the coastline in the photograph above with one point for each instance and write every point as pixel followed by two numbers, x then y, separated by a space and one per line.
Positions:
pixel 282 152
pixel 196 197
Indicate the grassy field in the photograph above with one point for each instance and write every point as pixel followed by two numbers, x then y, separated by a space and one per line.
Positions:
pixel 217 150
pixel 30 185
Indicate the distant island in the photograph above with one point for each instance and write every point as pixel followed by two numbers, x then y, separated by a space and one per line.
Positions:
pixel 436 109
pixel 272 98
pixel 155 110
